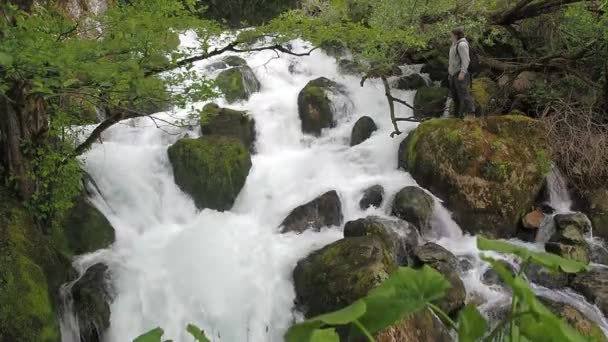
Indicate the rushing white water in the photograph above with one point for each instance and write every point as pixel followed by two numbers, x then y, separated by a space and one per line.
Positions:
pixel 230 272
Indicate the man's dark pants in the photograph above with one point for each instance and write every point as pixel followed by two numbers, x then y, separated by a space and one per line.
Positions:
pixel 461 95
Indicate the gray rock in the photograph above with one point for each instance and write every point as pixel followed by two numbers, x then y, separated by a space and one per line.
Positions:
pixel 362 130
pixel 372 197
pixel 414 205
pixel 92 296
pixel 325 210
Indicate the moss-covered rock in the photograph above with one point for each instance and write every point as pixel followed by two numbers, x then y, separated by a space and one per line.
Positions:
pixel 372 197
pixel 234 61
pixel 430 102
pixel 86 229
pixel 400 237
pixel 215 120
pixel 598 212
pixel 484 92
pixel 340 273
pixel 488 171
pixel 211 169
pixel 568 240
pixel 415 206
pixel 323 211
pixel 576 319
pixel 411 82
pixel 237 83
pixel 362 130
pixel 27 310
pixel 315 106
pixel 91 297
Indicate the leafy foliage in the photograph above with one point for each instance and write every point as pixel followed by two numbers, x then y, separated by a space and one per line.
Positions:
pixel 156 335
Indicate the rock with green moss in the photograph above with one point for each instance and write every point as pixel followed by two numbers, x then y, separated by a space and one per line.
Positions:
pixel 430 102
pixel 415 206
pixel 372 197
pixel 315 106
pixel 234 61
pixel 484 92
pixel 488 171
pixel 215 120
pixel 598 212
pixel 569 240
pixel 91 303
pixel 323 211
pixel 446 263
pixel 211 169
pixel 411 82
pixel 399 236
pixel 86 229
pixel 27 311
pixel 237 83
pixel 576 319
pixel 340 273
pixel 436 66
pixel 362 130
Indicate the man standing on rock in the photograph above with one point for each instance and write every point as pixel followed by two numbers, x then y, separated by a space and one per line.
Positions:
pixel 459 75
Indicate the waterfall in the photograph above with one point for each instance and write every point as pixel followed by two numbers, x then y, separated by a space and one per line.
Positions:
pixel 230 272
pixel 559 197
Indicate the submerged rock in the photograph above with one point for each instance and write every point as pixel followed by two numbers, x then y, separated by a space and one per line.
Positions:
pixel 414 205
pixel 445 263
pixel 576 319
pixel 411 82
pixel 430 102
pixel 340 273
pixel 593 285
pixel 215 120
pixel 324 211
pixel 86 228
pixel 488 171
pixel 399 236
pixel 211 169
pixel 372 197
pixel 568 240
pixel 237 83
pixel 363 129
pixel 91 297
pixel 315 106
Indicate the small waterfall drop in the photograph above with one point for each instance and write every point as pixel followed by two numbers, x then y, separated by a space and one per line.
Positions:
pixel 559 197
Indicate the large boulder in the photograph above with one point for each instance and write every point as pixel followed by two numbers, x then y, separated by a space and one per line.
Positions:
pixel 414 205
pixel 598 212
pixel 324 211
pixel 488 171
pixel 237 83
pixel 568 240
pixel 399 236
pixel 215 120
pixel 593 285
pixel 430 102
pixel 411 82
pixel 446 263
pixel 542 276
pixel 91 297
pixel 362 130
pixel 576 319
pixel 340 273
pixel 484 91
pixel 372 197
pixel 86 229
pixel 315 106
pixel 234 61
pixel 211 169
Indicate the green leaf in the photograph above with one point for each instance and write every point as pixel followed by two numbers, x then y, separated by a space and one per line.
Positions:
pixel 551 261
pixel 197 333
pixel 325 335
pixel 69 82
pixel 5 59
pixel 471 324
pixel 153 335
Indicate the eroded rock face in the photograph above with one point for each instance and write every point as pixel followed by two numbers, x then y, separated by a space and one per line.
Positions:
pixel 340 273
pixel 363 129
pixel 414 205
pixel 488 171
pixel 215 120
pixel 91 297
pixel 568 240
pixel 445 263
pixel 593 285
pixel 315 106
pixel 211 169
pixel 422 326
pixel 372 197
pixel 324 211
pixel 576 319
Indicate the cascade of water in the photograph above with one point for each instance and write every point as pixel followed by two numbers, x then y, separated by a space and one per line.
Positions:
pixel 559 197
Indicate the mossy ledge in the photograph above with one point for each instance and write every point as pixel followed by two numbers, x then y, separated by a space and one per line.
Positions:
pixel 488 171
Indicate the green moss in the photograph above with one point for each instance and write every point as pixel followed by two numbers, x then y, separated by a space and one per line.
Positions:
pixel 85 230
pixel 430 102
pixel 231 83
pixel 215 120
pixel 484 92
pixel 212 169
pixel 315 107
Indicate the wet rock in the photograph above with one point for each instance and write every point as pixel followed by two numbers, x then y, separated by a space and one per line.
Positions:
pixel 86 229
pixel 215 120
pixel 599 252
pixel 578 221
pixel 91 297
pixel 411 82
pixel 533 220
pixel 541 276
pixel 315 106
pixel 399 236
pixel 593 285
pixel 445 263
pixel 491 277
pixel 211 169
pixel 234 61
pixel 480 168
pixel 217 66
pixel 349 67
pixel 340 273
pixel 324 211
pixel 437 68
pixel 414 205
pixel 422 326
pixel 598 212
pixel 372 197
pixel 363 129
pixel 237 83
pixel 568 240
pixel 430 102
pixel 576 319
